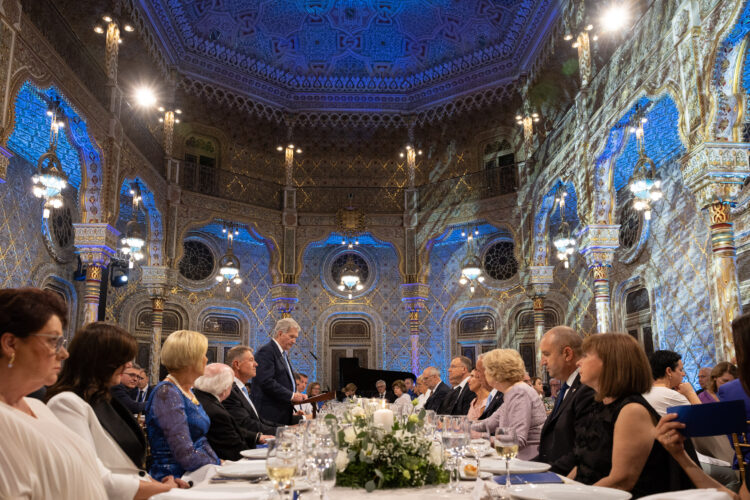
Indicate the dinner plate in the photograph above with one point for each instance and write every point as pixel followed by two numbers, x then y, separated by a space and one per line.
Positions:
pixel 246 469
pixel 566 492
pixel 200 494
pixel 255 453
pixel 497 466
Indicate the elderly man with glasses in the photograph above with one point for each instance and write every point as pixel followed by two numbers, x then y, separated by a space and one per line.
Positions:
pixel 126 392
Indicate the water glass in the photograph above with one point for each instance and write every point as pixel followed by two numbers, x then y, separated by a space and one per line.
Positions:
pixel 479 445
pixel 324 456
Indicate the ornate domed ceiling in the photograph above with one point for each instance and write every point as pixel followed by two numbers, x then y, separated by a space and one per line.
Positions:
pixel 365 55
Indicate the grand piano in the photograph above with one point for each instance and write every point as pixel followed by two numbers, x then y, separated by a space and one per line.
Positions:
pixel 365 378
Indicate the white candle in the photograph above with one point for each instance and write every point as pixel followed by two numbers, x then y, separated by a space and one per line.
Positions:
pixel 383 418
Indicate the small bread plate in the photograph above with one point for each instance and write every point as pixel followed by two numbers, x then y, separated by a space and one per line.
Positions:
pixel 497 466
pixel 244 469
pixel 566 492
pixel 257 453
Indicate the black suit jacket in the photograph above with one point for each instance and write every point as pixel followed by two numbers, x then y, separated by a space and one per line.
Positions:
pixel 273 386
pixel 389 396
pixel 558 433
pixel 126 397
pixel 458 401
pixel 224 435
pixel 120 424
pixel 239 408
pixel 491 408
pixel 442 391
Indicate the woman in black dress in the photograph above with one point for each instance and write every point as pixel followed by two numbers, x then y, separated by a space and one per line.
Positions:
pixel 615 446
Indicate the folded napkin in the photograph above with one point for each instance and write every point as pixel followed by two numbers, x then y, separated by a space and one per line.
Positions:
pixel 702 494
pixel 538 478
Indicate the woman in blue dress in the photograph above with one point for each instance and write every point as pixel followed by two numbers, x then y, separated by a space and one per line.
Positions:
pixel 175 420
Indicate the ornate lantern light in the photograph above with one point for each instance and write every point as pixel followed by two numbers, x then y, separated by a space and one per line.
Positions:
pixel 644 185
pixel 564 243
pixel 471 267
pixel 135 238
pixel 50 179
pixel 229 264
pixel 350 279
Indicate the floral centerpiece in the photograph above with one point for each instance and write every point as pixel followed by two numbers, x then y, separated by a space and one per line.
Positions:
pixel 373 457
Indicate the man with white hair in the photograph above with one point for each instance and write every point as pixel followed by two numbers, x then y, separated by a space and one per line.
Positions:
pixel 274 389
pixel 224 435
pixel 439 389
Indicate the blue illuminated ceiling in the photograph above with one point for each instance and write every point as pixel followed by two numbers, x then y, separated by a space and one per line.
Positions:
pixel 399 48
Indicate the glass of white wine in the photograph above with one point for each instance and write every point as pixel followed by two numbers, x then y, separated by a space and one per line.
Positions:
pixel 281 463
pixel 506 445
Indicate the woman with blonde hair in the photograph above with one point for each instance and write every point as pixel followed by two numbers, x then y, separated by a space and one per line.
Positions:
pixel 176 422
pixel 522 409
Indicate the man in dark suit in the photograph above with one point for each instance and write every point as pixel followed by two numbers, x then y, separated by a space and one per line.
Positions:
pixel 382 393
pixel 495 398
pixel 225 435
pixel 125 392
pixel 274 390
pixel 143 388
pixel 439 390
pixel 239 404
pixel 460 398
pixel 561 348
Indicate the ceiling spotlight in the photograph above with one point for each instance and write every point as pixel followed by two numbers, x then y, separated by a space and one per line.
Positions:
pixel 614 18
pixel 575 45
pixel 291 146
pixel 145 97
pixel 568 37
pixel 279 148
pixel 161 108
pixel 119 40
pixel 98 29
pixel 299 151
pixel 419 152
pixel 178 111
pixel 518 118
pixel 161 120
pixel 128 28
pixel 595 37
pixel 107 19
pixel 401 155
pixel 589 27
pixel 177 120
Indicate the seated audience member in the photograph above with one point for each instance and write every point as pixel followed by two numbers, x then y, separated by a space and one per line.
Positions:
pixel 460 397
pixel 409 382
pixel 739 389
pixel 40 458
pixel 554 387
pixel 439 390
pixel 313 389
pixel 615 445
pixel 478 386
pixel 82 401
pixel 668 388
pixel 224 435
pixel 494 398
pixel 382 392
pixel 239 404
pixel 704 378
pixel 350 391
pixel 538 386
pixel 175 420
pixel 402 405
pixel 300 382
pixel 144 389
pixel 422 391
pixel 561 349
pixel 126 391
pixel 720 374
pixel 522 409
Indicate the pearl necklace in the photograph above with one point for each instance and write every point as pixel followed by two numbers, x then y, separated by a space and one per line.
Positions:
pixel 189 395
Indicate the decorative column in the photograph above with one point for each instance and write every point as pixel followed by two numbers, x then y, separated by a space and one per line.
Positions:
pixel 540 280
pixel 156 279
pixel 582 43
pixel 715 172
pixel 10 13
pixel 96 244
pixel 5 157
pixel 414 297
pixel 284 297
pixel 598 244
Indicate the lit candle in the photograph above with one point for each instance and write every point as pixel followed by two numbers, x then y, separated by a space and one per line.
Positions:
pixel 383 418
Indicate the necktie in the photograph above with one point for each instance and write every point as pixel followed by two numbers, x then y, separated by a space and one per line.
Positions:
pixel 141 393
pixel 247 395
pixel 288 367
pixel 559 399
pixel 489 400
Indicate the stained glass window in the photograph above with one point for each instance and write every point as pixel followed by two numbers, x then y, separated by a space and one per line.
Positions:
pixel 61 223
pixel 500 262
pixel 197 261
pixel 630 225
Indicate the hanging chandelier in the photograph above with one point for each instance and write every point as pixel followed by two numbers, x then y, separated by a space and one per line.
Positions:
pixel 564 243
pixel 471 267
pixel 644 185
pixel 229 264
pixel 350 280
pixel 135 238
pixel 50 179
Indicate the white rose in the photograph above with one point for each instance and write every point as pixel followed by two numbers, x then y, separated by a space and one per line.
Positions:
pixel 342 460
pixel 349 435
pixel 358 411
pixel 436 453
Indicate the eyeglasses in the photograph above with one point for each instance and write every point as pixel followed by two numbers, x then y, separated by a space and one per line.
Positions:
pixel 56 342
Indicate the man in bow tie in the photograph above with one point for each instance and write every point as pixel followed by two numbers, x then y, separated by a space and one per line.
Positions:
pixel 561 349
pixel 460 398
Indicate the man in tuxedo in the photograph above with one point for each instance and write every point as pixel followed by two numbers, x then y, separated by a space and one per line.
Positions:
pixel 126 391
pixel 460 398
pixel 225 435
pixel 143 389
pixel 561 348
pixel 495 398
pixel 238 403
pixel 439 390
pixel 274 390
pixel 382 393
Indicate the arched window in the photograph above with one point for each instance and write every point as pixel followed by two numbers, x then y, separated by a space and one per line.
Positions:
pixel 638 317
pixel 349 338
pixel 499 163
pixel 525 335
pixel 477 333
pixel 199 172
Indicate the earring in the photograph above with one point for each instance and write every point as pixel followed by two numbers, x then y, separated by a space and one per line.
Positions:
pixel 12 358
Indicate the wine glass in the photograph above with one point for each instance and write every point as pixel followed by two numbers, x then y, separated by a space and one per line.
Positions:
pixel 281 463
pixel 324 456
pixel 506 445
pixel 479 445
pixel 454 433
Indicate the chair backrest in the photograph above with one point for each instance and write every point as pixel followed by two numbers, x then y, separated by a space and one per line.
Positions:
pixel 740 442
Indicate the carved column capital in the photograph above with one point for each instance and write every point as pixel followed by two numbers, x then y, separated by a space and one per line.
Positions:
pixel 414 295
pixel 5 157
pixel 598 244
pixel 716 171
pixel 156 280
pixel 96 243
pixel 284 296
